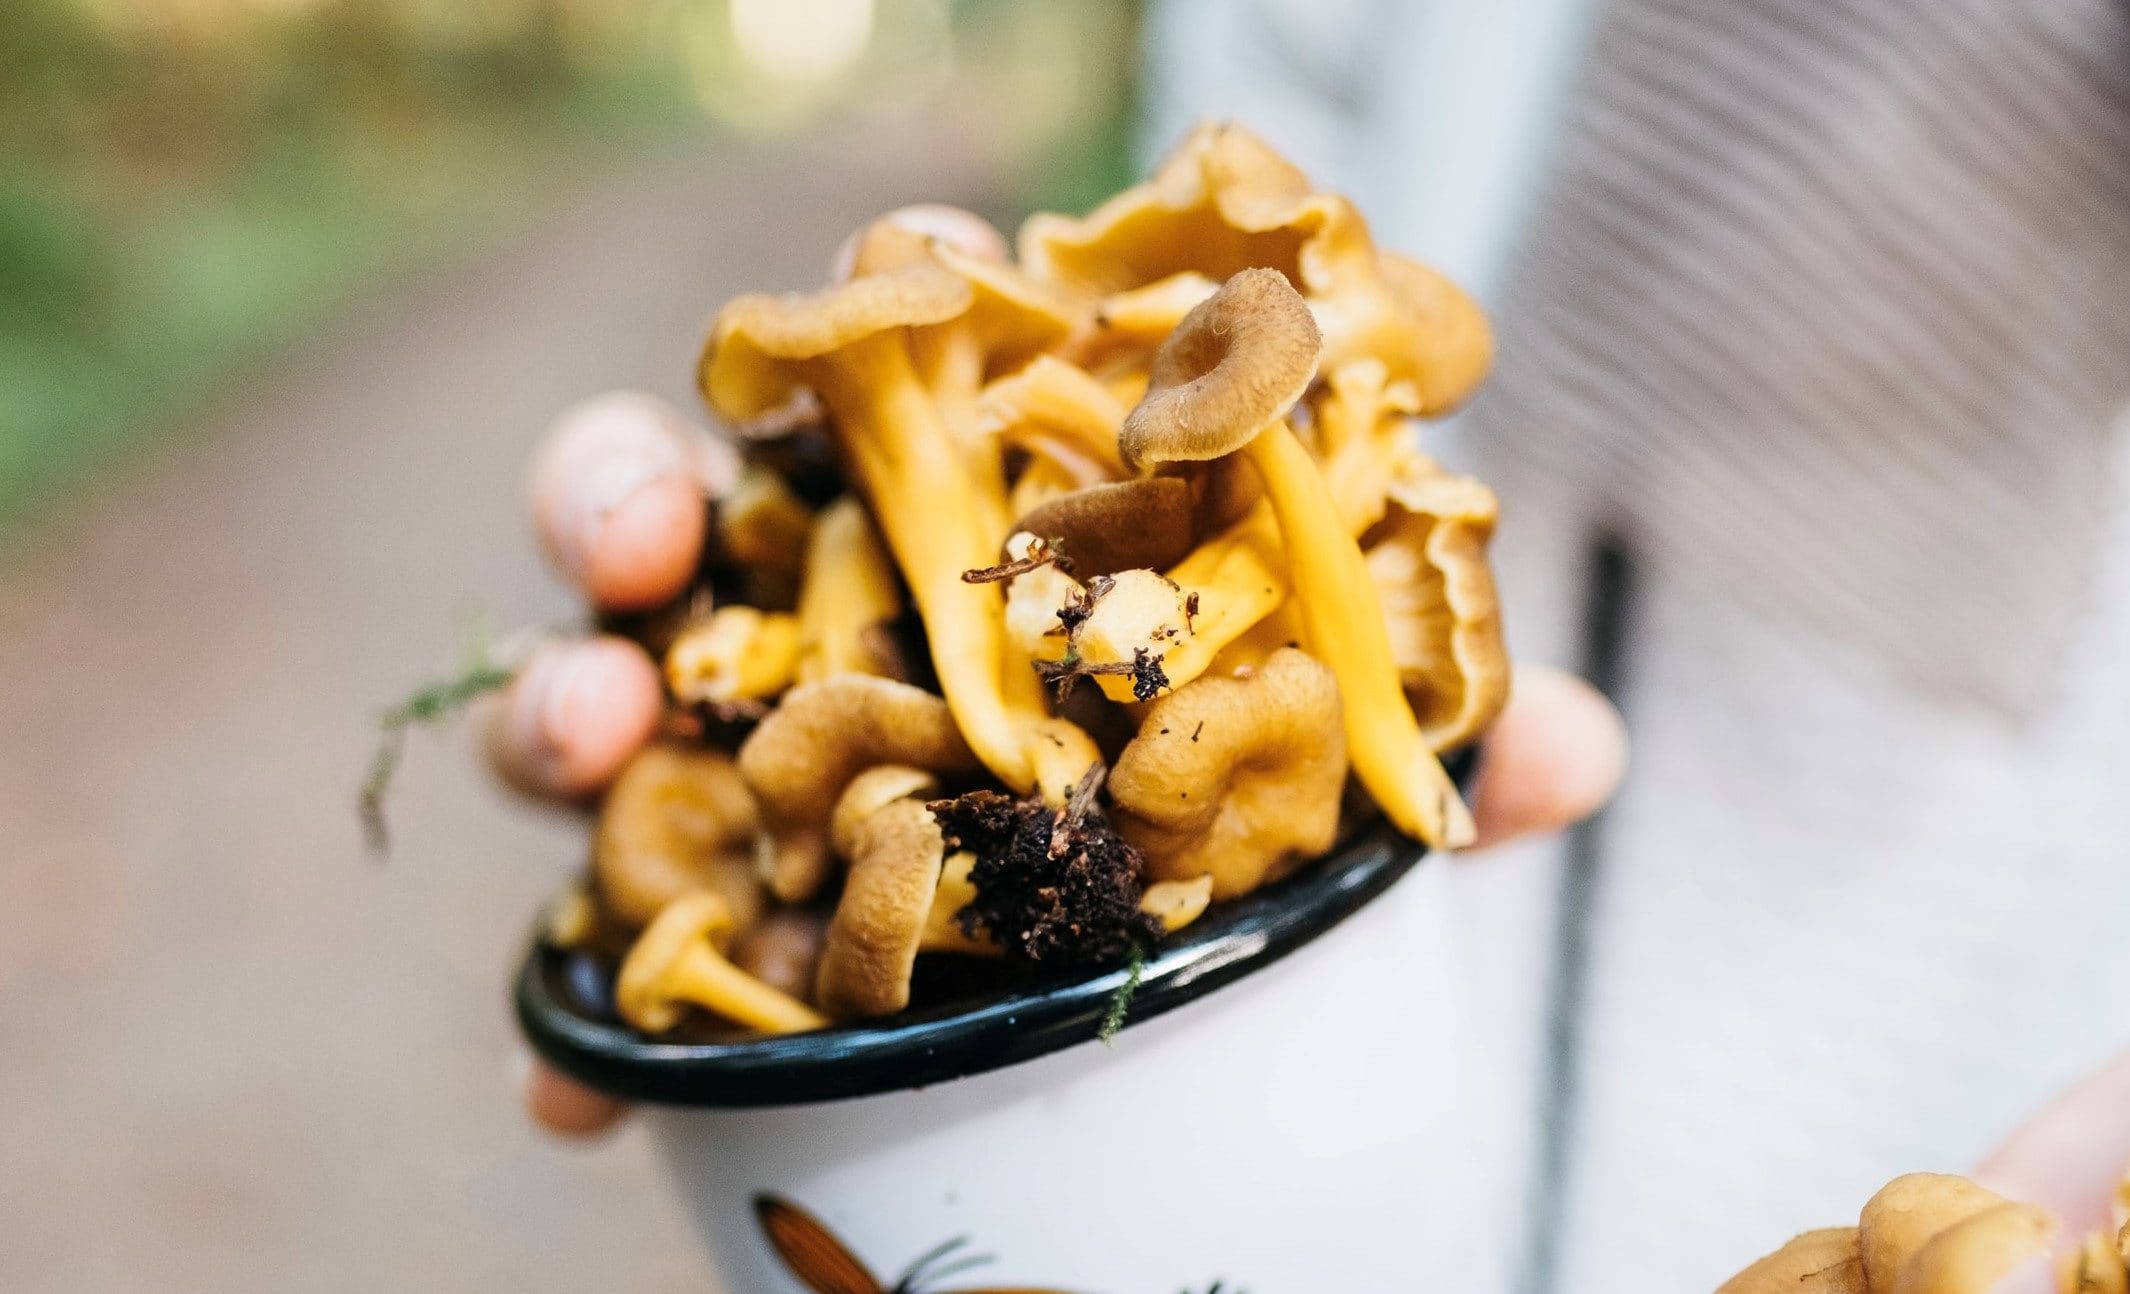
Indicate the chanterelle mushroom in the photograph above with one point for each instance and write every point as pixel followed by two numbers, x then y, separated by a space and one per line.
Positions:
pixel 677 820
pixel 803 754
pixel 735 657
pixel 1194 410
pixel 899 357
pixel 1224 201
pixel 898 900
pixel 1236 778
pixel 1817 1262
pixel 674 964
pixel 846 598
pixel 1428 560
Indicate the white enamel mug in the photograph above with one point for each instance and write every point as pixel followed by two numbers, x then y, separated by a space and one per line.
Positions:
pixel 1301 1130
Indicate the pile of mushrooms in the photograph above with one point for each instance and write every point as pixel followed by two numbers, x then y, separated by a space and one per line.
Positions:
pixel 1932 1233
pixel 1060 597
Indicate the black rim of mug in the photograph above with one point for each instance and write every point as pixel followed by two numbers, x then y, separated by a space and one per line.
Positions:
pixel 936 1044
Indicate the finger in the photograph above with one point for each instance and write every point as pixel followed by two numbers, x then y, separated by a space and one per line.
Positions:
pixel 2071 1156
pixel 573 716
pixel 965 231
pixel 567 1108
pixel 618 488
pixel 1553 758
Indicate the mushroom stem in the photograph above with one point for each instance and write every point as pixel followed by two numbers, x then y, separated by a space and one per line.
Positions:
pixel 673 963
pixel 1239 579
pixel 938 526
pixel 1342 623
pixel 849 589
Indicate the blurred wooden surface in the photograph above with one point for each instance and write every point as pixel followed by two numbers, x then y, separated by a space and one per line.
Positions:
pixel 234 1054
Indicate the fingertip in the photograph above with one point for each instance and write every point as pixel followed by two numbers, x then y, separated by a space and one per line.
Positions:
pixel 574 715
pixel 563 1107
pixel 1553 758
pixel 618 493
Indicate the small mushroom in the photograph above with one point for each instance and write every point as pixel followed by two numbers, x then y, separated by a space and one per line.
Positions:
pixel 1817 1262
pixel 762 523
pixel 1428 561
pixel 895 904
pixel 675 964
pixel 677 820
pixel 848 594
pixel 1238 779
pixel 735 656
pixel 804 753
pixel 1123 626
pixel 1195 410
pixel 899 358
pixel 1906 1213
pixel 869 793
pixel 1973 1254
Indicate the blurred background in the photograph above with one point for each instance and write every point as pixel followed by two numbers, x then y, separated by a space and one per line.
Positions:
pixel 287 290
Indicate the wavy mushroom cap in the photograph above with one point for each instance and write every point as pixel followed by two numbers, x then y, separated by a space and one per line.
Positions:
pixel 1817 1262
pixel 1223 201
pixel 678 819
pixel 869 793
pixel 747 366
pixel 1428 561
pixel 1238 362
pixel 877 247
pixel 1906 1213
pixel 803 754
pixel 879 925
pixel 1060 414
pixel 1236 778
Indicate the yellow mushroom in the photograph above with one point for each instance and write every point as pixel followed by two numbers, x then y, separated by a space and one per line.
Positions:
pixel 897 901
pixel 1217 388
pixel 1817 1262
pixel 1225 202
pixel 1124 626
pixel 804 754
pixel 2095 1267
pixel 882 352
pixel 1428 561
pixel 677 820
pixel 1237 779
pixel 1906 1213
pixel 735 655
pixel 1364 435
pixel 1176 904
pixel 674 964
pixel 847 597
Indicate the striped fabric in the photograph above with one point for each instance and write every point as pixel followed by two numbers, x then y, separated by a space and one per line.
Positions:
pixel 1830 300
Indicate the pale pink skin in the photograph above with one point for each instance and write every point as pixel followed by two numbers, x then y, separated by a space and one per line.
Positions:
pixel 618 497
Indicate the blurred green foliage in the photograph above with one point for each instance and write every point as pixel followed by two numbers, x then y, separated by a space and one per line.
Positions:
pixel 185 185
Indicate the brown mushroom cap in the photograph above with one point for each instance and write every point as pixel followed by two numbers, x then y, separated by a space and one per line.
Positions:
pixel 879 924
pixel 745 368
pixel 1898 1221
pixel 800 758
pixel 1428 562
pixel 1817 1262
pixel 782 950
pixel 1118 525
pixel 1236 778
pixel 871 791
pixel 678 819
pixel 1238 361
